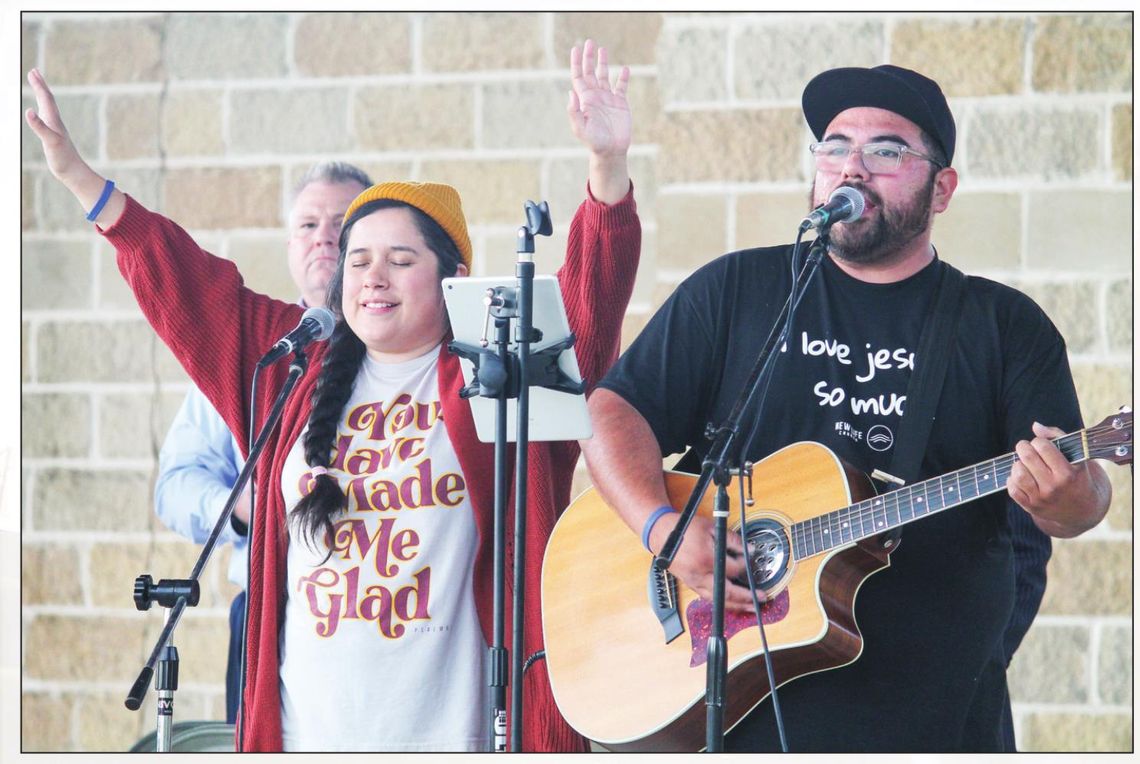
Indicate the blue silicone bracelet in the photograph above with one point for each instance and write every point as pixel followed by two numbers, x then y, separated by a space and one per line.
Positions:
pixel 653 518
pixel 108 187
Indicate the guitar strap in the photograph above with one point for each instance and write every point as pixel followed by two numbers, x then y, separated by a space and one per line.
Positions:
pixel 935 346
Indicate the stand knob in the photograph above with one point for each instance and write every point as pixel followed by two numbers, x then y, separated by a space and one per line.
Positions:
pixel 166 592
pixel 143 585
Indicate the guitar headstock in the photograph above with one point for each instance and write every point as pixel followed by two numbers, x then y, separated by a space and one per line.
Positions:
pixel 1111 439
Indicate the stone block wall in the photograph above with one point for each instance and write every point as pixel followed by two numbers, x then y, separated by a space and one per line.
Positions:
pixel 209 117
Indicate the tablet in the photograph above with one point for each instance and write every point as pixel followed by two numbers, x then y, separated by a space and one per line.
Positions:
pixel 553 415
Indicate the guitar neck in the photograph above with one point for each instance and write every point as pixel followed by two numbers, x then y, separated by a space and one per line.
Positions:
pixel 914 502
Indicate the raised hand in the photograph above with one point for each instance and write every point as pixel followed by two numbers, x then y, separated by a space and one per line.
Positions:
pixel 599 113
pixel 63 159
pixel 601 119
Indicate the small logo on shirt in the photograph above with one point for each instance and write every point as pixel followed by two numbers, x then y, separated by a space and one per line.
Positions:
pixel 880 437
pixel 846 430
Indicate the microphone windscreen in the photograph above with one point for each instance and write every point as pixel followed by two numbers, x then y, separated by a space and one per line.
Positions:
pixel 852 196
pixel 325 321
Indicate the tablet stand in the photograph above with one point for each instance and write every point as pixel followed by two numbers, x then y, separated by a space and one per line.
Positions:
pixel 503 374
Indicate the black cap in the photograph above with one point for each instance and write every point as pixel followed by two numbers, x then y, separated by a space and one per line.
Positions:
pixel 906 93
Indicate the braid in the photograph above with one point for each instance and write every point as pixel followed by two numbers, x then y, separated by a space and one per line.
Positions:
pixel 314 512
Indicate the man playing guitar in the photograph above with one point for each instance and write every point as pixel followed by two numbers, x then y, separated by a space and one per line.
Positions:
pixel 931 675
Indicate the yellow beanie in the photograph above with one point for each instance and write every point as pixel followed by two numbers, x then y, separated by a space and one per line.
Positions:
pixel 438 201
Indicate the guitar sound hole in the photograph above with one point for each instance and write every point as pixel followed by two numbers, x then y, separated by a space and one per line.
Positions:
pixel 768 552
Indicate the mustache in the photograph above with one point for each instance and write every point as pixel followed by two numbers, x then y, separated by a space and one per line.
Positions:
pixel 870 195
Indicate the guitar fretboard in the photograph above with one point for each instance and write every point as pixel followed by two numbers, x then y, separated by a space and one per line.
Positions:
pixel 914 502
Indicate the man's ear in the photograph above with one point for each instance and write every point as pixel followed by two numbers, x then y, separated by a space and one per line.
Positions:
pixel 945 183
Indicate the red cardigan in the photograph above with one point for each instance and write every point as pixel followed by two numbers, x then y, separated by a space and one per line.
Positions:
pixel 218 329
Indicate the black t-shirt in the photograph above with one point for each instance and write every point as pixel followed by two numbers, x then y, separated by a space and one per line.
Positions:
pixel 932 673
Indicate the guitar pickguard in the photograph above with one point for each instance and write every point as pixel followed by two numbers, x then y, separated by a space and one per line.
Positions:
pixel 699 617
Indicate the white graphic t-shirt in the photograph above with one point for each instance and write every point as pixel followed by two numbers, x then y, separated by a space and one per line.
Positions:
pixel 381 648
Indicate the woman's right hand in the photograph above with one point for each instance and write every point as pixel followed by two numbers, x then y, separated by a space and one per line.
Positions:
pixel 63 159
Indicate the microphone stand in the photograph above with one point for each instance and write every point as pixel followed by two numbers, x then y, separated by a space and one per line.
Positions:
pixel 178 594
pixel 723 459
pixel 503 375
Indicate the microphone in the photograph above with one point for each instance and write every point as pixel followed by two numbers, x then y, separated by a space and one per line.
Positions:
pixel 845 205
pixel 316 325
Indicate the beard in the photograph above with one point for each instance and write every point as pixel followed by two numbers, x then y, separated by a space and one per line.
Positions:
pixel 879 239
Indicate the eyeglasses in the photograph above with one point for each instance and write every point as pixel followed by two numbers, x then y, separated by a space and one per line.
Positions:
pixel 878 158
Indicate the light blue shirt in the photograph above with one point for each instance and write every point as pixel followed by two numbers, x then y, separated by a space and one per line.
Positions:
pixel 198 465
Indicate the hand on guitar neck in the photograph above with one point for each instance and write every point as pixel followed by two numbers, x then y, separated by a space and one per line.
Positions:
pixel 1064 499
pixel 632 471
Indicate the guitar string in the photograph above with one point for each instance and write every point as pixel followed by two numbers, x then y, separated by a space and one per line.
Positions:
pixel 904 502
pixel 804 536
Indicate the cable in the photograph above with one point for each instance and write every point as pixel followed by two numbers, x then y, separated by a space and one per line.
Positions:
pixel 248 558
pixel 532 658
pixel 794 299
pixel 760 621
pixel 792 303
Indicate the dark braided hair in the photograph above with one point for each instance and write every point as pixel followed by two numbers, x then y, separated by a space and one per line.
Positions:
pixel 314 512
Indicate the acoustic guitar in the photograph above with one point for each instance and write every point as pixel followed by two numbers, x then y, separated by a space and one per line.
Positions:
pixel 626 644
